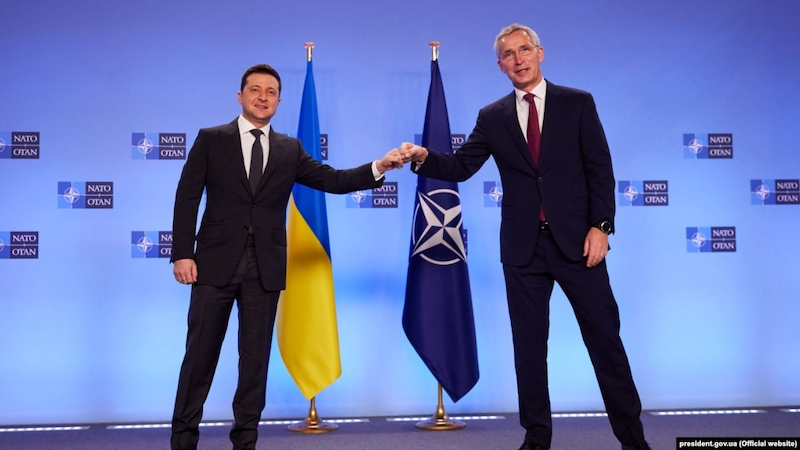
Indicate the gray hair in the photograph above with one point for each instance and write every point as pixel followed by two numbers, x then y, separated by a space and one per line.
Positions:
pixel 512 28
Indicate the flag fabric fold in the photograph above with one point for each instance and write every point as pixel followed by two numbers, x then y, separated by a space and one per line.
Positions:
pixel 307 331
pixel 437 316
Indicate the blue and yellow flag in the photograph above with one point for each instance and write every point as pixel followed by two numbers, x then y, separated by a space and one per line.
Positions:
pixel 437 315
pixel 308 336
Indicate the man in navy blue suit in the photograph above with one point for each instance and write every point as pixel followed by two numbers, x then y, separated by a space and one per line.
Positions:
pixel 558 210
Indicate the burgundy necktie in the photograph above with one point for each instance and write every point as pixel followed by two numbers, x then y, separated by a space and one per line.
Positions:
pixel 534 135
pixel 534 139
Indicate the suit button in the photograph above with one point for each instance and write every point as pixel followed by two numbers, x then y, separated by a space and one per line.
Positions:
pixel 253 205
pixel 540 179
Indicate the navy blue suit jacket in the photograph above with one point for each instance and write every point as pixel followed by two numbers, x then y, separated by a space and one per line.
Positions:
pixel 216 165
pixel 574 181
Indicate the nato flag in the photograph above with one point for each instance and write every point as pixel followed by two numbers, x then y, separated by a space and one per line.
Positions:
pixel 437 316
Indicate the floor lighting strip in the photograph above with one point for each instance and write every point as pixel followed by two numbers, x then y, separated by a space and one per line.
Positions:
pixel 580 415
pixel 707 412
pixel 389 419
pixel 12 430
pixel 419 419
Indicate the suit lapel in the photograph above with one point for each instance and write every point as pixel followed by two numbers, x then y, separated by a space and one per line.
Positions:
pixel 275 154
pixel 232 143
pixel 511 122
pixel 553 110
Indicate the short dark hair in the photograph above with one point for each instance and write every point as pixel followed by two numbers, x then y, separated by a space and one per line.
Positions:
pixel 261 68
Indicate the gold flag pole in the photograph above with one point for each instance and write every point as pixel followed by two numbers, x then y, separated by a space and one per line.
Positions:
pixel 440 421
pixel 312 424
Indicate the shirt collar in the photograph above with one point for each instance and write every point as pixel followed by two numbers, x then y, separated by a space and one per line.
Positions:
pixel 539 91
pixel 245 126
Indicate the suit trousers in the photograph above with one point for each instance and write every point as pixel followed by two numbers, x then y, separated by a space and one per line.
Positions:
pixel 209 311
pixel 589 292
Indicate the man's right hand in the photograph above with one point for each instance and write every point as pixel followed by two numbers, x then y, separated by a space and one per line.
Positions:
pixel 185 271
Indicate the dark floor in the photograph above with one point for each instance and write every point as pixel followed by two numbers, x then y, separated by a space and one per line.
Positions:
pixel 502 432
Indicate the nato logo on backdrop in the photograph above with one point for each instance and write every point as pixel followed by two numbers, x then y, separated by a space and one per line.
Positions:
pixel 456 141
pixel 323 145
pixel 19 145
pixel 708 146
pixel 643 193
pixel 151 244
pixel 492 194
pixel 19 244
pixel 381 197
pixel 710 239
pixel 85 194
pixel 169 146
pixel 775 192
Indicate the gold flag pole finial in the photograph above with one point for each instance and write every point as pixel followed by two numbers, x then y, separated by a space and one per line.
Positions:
pixel 309 50
pixel 434 50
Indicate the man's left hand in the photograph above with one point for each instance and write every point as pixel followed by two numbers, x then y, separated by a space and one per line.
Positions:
pixel 595 247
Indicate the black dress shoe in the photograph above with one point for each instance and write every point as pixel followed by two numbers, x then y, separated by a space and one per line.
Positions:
pixel 642 445
pixel 528 445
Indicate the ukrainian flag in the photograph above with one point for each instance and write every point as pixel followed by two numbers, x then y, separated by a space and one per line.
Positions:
pixel 308 336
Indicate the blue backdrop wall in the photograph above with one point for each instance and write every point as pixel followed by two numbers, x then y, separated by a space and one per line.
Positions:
pixel 698 99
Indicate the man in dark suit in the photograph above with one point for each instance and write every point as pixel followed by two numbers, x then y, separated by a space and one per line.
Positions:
pixel 557 213
pixel 247 171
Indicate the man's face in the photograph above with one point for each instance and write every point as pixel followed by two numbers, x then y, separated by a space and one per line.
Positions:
pixel 259 98
pixel 519 60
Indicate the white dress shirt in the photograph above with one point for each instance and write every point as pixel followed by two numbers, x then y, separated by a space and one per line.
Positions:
pixel 248 139
pixel 523 107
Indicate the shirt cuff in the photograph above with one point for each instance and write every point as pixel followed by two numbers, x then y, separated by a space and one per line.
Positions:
pixel 377 175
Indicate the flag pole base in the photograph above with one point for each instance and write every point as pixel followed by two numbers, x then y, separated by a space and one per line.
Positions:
pixel 439 421
pixel 312 424
pixel 440 424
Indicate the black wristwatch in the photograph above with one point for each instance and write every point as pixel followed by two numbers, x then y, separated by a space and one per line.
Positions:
pixel 604 226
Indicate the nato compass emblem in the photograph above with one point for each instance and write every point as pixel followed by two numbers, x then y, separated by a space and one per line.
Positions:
pixel 145 146
pixel 436 231
pixel 496 194
pixel 492 194
pixel 762 192
pixel 630 193
pixel 698 239
pixel 71 195
pixel 357 198
pixel 144 244
pixel 695 146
